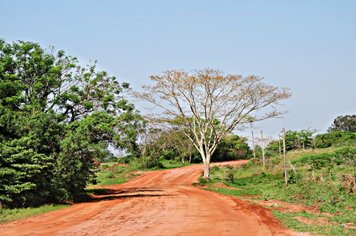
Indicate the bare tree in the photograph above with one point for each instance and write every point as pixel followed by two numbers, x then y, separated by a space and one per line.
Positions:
pixel 211 104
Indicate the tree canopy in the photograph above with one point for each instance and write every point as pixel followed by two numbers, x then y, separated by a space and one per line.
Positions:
pixel 345 123
pixel 210 104
pixel 56 118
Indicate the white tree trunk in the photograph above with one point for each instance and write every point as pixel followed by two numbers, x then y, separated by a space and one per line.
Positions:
pixel 206 170
pixel 207 165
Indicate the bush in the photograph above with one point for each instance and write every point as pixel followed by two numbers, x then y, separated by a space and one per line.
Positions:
pixel 294 178
pixel 334 138
pixel 346 155
pixel 230 175
pixel 151 163
pixel 232 147
pixel 214 169
pixel 110 175
pixel 203 181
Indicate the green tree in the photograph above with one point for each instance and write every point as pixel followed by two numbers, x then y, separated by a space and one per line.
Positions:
pixel 273 148
pixel 232 147
pixel 55 118
pixel 345 123
pixel 299 139
pixel 169 144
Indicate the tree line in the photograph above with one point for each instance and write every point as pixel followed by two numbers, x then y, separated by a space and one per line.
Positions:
pixel 342 132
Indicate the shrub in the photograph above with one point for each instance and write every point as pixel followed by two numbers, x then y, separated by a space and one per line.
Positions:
pixel 230 175
pixel 203 181
pixel 334 138
pixel 110 175
pixel 151 163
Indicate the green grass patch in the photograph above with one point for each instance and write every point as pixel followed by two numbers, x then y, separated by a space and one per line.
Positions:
pixel 7 215
pixel 331 229
pixel 170 164
pixel 114 173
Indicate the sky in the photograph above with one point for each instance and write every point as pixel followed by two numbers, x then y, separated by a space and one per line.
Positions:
pixel 308 46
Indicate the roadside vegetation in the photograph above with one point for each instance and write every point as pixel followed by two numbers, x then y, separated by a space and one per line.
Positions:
pixel 322 186
pixel 7 215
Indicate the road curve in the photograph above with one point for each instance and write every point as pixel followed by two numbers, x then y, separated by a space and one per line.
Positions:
pixel 155 203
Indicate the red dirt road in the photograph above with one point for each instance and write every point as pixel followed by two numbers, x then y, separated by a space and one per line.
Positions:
pixel 155 203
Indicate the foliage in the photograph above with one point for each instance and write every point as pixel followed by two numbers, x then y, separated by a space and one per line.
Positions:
pixel 299 139
pixel 334 138
pixel 345 123
pixel 210 105
pixel 166 144
pixel 56 119
pixel 232 147
pixel 172 144
pixel 344 155
pixel 274 148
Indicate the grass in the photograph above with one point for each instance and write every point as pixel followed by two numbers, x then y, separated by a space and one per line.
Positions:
pixel 322 180
pixel 7 215
pixel 170 164
pixel 112 173
pixel 332 229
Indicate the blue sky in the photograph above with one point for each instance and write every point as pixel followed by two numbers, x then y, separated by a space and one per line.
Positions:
pixel 306 45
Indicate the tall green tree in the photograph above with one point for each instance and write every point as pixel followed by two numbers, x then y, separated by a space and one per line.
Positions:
pixel 56 117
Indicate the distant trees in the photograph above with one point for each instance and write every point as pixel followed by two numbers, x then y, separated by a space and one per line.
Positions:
pixel 299 139
pixel 56 117
pixel 172 144
pixel 211 105
pixel 168 144
pixel 294 139
pixel 305 139
pixel 232 147
pixel 345 123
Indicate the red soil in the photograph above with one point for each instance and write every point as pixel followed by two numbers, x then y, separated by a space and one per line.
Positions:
pixel 155 203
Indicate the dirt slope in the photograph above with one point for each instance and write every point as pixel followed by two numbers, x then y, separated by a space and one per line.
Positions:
pixel 156 203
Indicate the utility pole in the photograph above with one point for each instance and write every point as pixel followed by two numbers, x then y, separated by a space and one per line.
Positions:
pixel 253 145
pixel 263 150
pixel 279 144
pixel 285 158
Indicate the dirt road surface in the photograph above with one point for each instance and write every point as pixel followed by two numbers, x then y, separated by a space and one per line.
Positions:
pixel 155 203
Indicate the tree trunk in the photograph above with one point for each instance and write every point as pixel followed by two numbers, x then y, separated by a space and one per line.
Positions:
pixel 263 151
pixel 206 170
